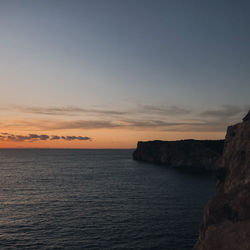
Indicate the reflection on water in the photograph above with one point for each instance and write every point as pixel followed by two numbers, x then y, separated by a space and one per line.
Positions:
pixel 97 199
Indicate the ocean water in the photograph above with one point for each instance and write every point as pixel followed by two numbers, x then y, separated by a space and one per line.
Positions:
pixel 97 199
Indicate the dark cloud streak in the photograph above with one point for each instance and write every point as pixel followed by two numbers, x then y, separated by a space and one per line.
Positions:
pixel 214 120
pixel 68 111
pixel 145 124
pixel 163 110
pixel 226 111
pixel 73 111
pixel 43 137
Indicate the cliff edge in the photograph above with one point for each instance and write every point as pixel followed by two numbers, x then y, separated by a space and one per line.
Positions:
pixel 195 155
pixel 226 220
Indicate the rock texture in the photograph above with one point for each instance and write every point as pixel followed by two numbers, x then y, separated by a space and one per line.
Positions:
pixel 198 155
pixel 226 221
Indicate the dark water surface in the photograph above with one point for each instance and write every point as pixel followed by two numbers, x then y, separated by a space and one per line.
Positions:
pixel 97 199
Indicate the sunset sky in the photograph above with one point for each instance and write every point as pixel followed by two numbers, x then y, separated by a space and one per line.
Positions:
pixel 107 73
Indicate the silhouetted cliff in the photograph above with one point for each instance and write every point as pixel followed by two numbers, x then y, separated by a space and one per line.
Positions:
pixel 200 155
pixel 226 221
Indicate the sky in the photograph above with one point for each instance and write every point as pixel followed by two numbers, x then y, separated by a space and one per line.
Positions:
pixel 109 73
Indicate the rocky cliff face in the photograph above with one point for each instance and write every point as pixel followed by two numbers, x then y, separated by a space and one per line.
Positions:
pixel 189 154
pixel 226 221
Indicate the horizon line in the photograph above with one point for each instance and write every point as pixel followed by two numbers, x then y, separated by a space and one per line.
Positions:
pixel 68 148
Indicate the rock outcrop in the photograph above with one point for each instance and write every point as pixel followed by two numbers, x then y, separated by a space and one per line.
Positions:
pixel 195 155
pixel 226 221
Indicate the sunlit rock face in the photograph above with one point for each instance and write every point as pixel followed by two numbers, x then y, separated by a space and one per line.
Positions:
pixel 226 221
pixel 195 155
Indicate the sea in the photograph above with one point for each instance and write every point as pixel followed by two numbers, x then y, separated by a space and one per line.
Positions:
pixel 97 199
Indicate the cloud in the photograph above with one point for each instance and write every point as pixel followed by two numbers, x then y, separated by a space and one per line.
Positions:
pixel 50 125
pixel 135 124
pixel 66 111
pixel 226 111
pixel 83 124
pixel 40 137
pixel 83 138
pixel 138 109
pixel 163 110
pixel 43 137
pixel 80 138
pixel 145 117
pixel 55 137
pixel 19 138
pixel 194 126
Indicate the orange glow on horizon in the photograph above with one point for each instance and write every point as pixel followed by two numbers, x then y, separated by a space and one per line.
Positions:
pixel 108 138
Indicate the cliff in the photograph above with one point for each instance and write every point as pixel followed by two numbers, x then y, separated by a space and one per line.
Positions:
pixel 198 155
pixel 226 221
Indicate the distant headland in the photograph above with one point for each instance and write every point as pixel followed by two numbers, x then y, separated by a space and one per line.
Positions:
pixel 195 155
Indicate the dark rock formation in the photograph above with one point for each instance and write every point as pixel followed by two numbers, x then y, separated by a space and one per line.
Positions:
pixel 198 155
pixel 226 221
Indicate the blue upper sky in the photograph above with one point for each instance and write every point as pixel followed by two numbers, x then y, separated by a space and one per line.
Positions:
pixel 121 54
